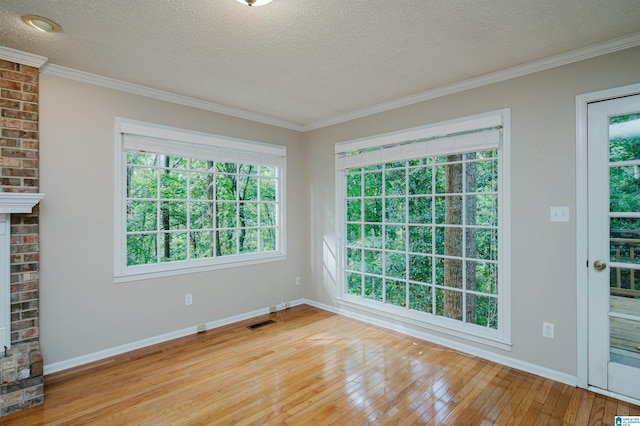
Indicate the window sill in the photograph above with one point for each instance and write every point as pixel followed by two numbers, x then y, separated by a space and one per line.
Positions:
pixel 397 317
pixel 183 270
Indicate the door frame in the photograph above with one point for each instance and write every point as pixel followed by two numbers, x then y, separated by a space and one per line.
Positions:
pixel 582 253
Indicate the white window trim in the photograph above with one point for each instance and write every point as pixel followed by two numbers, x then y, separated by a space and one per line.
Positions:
pixel 208 143
pixel 500 338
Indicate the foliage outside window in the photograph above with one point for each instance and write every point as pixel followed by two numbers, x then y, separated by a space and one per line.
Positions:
pixel 422 233
pixel 186 205
pixel 624 175
pixel 184 208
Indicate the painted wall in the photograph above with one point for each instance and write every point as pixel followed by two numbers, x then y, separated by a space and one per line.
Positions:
pixel 543 155
pixel 82 310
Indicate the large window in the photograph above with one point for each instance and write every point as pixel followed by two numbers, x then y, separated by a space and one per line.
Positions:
pixel 189 200
pixel 423 224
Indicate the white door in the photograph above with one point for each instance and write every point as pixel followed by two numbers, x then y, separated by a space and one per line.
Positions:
pixel 614 245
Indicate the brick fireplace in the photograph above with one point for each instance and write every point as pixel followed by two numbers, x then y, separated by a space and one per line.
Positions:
pixel 21 365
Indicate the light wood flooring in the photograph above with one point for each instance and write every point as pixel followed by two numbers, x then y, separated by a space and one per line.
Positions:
pixel 311 367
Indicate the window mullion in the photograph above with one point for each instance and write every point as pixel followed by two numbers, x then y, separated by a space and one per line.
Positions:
pixel 214 209
pixel 434 182
pixel 463 230
pixel 188 210
pixel 158 210
pixel 407 233
pixel 259 208
pixel 362 229
pixel 383 225
pixel 237 225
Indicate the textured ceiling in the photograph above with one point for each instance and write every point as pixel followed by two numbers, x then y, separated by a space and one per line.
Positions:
pixel 305 61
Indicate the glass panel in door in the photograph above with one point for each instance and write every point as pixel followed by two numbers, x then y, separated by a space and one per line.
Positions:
pixel 624 239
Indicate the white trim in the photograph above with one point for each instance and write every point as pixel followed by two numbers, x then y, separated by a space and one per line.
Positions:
pixel 446 145
pixel 488 355
pixel 582 253
pixel 504 224
pixel 444 128
pixel 392 149
pixel 468 349
pixel 139 344
pixel 19 202
pixel 10 202
pixel 135 89
pixel 158 131
pixel 5 280
pixel 21 57
pixel 278 257
pixel 128 133
pixel 439 324
pixel 625 42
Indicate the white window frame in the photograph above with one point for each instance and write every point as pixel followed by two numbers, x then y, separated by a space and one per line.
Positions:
pixel 450 137
pixel 165 139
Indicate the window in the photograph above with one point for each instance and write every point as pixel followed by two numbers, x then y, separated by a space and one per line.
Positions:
pixel 423 224
pixel 191 201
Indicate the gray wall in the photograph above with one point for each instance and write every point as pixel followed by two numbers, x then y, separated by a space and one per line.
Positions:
pixel 83 311
pixel 543 152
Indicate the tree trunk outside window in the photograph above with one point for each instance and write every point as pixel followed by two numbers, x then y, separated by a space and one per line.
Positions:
pixel 453 238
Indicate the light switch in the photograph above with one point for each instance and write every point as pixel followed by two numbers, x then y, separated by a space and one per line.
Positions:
pixel 559 214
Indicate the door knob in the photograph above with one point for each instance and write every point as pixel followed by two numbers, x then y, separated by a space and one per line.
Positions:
pixel 599 265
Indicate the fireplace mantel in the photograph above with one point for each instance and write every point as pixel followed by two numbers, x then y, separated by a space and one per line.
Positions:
pixel 10 203
pixel 19 202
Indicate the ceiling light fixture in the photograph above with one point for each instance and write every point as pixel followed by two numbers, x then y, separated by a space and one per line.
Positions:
pixel 41 24
pixel 254 2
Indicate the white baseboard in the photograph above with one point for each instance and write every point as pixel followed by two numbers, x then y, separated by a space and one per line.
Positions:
pixel 468 349
pixel 471 350
pixel 491 356
pixel 118 350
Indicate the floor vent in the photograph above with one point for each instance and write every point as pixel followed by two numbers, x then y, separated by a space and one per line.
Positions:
pixel 261 324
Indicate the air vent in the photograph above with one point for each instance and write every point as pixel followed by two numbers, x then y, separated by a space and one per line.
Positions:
pixel 261 324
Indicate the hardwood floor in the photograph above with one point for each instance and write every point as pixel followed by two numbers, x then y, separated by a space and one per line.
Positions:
pixel 310 367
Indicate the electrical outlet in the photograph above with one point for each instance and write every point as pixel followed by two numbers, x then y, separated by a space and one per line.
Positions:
pixel 188 299
pixel 202 328
pixel 273 309
pixel 297 280
pixel 547 330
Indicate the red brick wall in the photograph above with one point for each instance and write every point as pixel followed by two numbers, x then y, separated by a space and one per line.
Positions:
pixel 19 172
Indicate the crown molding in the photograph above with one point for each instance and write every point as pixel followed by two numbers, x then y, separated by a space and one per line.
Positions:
pixel 626 42
pixel 135 89
pixel 572 56
pixel 20 57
